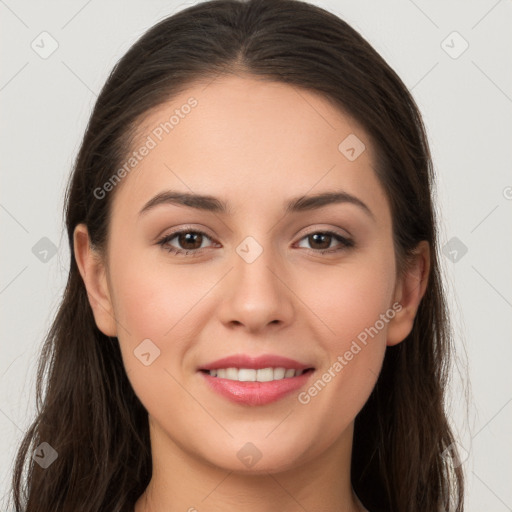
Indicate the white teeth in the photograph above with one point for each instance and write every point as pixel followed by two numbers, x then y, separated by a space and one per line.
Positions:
pixel 231 373
pixel 251 375
pixel 244 375
pixel 280 373
pixel 264 374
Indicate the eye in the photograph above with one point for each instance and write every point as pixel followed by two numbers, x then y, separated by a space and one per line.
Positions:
pixel 190 240
pixel 321 242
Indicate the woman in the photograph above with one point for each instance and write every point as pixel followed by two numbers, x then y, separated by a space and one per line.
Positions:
pixel 254 314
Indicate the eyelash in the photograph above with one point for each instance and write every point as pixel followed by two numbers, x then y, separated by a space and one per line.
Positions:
pixel 345 242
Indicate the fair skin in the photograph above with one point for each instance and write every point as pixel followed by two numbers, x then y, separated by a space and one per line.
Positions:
pixel 255 145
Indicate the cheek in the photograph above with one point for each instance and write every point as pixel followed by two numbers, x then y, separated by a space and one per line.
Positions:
pixel 156 303
pixel 350 298
pixel 152 299
pixel 354 305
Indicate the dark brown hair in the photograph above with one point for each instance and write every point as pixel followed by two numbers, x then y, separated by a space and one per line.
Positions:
pixel 86 408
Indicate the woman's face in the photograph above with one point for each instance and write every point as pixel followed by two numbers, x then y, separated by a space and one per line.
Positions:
pixel 256 282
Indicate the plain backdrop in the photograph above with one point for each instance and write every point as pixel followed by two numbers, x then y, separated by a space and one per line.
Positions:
pixel 454 57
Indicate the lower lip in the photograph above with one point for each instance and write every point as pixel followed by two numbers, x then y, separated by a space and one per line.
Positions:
pixel 256 393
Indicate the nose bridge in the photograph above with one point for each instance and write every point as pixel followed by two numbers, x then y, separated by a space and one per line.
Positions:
pixel 253 266
pixel 256 295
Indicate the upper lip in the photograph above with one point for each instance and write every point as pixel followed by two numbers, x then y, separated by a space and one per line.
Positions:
pixel 256 363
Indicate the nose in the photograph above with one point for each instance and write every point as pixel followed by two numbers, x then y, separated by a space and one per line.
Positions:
pixel 255 294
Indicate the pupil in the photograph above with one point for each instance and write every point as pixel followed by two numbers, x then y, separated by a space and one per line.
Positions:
pixel 323 235
pixel 187 239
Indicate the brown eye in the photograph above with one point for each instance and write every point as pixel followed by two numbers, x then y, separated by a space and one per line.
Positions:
pixel 190 240
pixel 187 241
pixel 321 241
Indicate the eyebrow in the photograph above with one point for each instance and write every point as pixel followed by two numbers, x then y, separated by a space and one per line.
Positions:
pixel 213 204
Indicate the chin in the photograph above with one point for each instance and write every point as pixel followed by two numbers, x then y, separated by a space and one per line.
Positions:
pixel 249 459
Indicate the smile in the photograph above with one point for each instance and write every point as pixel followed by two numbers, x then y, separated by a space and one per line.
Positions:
pixel 252 375
pixel 253 392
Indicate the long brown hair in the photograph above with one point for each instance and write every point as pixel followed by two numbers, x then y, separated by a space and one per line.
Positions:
pixel 86 408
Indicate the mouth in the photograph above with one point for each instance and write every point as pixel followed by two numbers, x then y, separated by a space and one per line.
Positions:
pixel 255 381
pixel 268 374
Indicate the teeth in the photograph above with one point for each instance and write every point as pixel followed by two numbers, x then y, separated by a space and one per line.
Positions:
pixel 251 375
pixel 280 373
pixel 244 375
pixel 232 374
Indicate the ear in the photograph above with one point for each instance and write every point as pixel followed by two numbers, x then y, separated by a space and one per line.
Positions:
pixel 93 272
pixel 409 291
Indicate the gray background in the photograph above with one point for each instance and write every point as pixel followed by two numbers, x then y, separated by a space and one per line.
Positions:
pixel 466 101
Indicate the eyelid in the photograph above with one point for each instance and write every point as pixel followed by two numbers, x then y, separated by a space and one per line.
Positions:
pixel 185 227
pixel 344 242
pixel 316 228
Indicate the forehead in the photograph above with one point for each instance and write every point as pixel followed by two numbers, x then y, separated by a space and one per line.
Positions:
pixel 249 138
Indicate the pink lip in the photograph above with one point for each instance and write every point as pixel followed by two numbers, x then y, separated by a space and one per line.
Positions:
pixel 256 393
pixel 256 363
